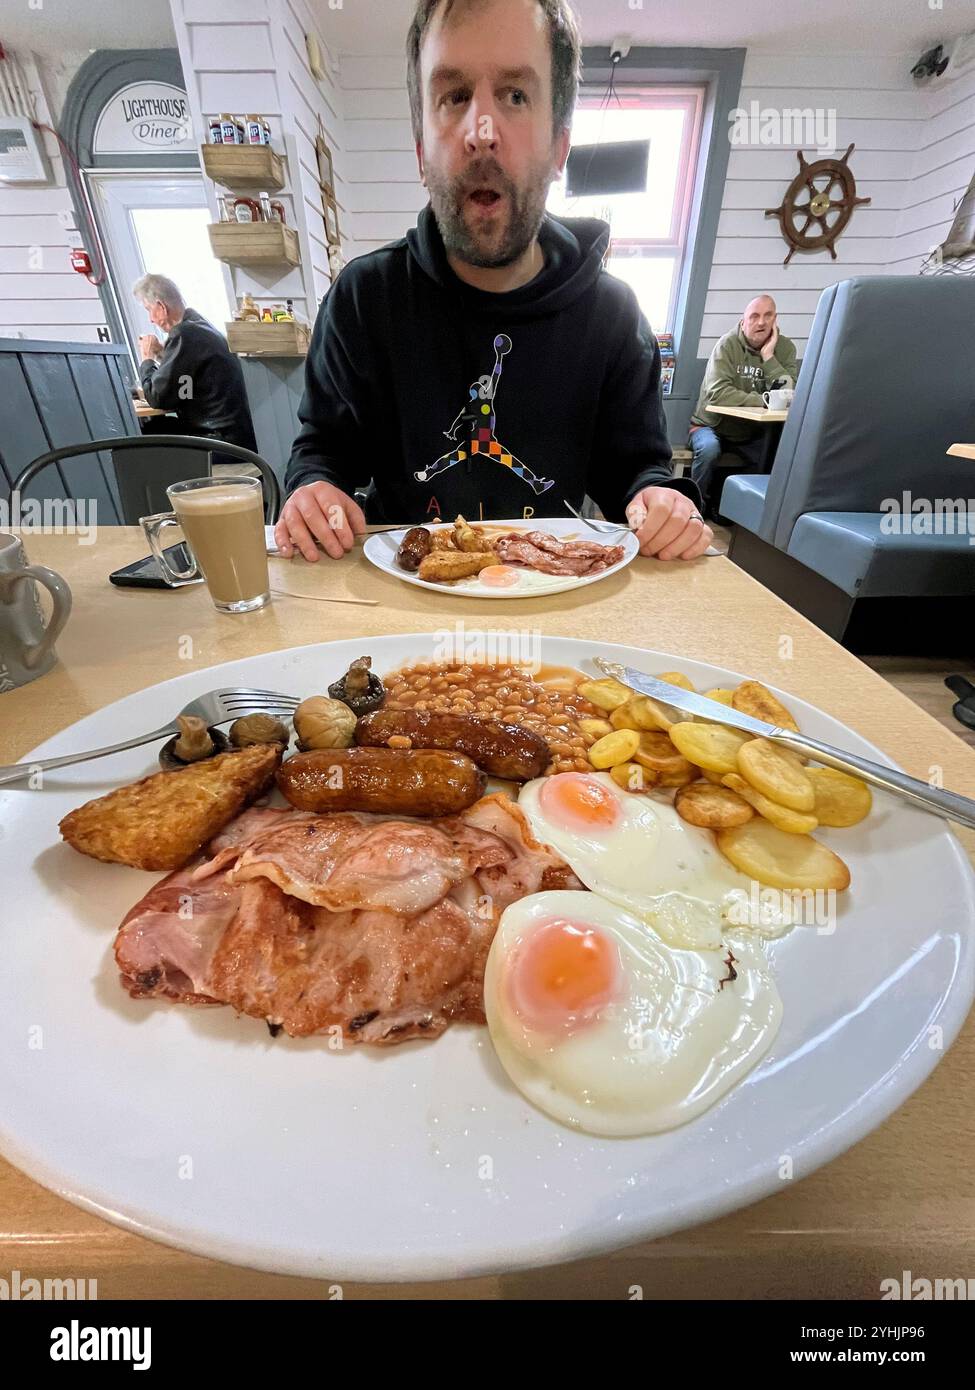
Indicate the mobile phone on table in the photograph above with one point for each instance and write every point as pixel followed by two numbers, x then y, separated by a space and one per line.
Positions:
pixel 146 574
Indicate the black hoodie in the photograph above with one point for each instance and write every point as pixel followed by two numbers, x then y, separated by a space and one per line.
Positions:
pixel 452 399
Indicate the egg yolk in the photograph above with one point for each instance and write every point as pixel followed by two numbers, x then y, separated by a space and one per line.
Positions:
pixel 562 977
pixel 579 802
pixel 499 576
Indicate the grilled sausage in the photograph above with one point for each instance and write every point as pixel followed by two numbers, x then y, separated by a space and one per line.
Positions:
pixel 389 781
pixel 503 750
pixel 413 547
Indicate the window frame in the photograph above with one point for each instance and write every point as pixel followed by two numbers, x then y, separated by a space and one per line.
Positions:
pixel 654 96
pixel 719 71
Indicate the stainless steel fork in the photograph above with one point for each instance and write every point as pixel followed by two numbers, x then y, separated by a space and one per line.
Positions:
pixel 216 707
pixel 602 528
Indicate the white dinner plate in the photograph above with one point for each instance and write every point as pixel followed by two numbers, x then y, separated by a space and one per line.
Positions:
pixel 381 547
pixel 195 1127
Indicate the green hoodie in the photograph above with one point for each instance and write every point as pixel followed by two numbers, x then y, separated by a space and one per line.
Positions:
pixel 736 375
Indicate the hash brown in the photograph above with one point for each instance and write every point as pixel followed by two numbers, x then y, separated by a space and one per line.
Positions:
pixel 164 820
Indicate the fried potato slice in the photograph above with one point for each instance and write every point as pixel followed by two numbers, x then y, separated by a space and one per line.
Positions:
pixel 632 777
pixel 467 539
pixel 676 678
pixel 595 728
pixel 681 778
pixel 617 747
pixel 723 697
pixel 792 822
pixel 764 852
pixel 620 718
pixel 606 694
pixel 442 540
pixel 776 773
pixel 440 565
pixel 714 808
pixel 164 820
pixel 753 698
pixel 648 713
pixel 638 713
pixel 716 777
pixel 655 751
pixel 711 746
pixel 841 800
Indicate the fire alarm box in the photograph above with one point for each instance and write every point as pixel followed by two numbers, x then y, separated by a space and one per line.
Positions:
pixel 80 261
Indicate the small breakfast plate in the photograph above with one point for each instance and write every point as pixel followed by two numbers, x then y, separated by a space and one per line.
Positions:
pixel 381 550
pixel 196 1128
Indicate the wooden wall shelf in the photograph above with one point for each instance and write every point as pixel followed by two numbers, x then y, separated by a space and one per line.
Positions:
pixel 251 339
pixel 250 243
pixel 244 166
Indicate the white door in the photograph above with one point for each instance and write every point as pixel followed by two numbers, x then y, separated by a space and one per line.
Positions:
pixel 156 223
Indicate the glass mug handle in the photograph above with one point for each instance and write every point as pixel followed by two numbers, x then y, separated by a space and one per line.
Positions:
pixel 153 526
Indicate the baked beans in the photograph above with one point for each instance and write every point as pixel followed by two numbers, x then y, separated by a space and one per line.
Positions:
pixel 552 709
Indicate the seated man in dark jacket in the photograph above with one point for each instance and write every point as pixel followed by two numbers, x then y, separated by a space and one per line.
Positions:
pixel 486 363
pixel 195 374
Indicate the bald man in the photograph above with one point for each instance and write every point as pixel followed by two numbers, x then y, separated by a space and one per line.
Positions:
pixel 744 364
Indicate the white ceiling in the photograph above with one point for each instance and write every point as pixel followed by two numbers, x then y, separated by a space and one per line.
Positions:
pixel 869 26
pixel 61 25
pixel 379 26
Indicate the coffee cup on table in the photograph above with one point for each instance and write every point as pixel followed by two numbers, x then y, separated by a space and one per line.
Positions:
pixel 222 520
pixel 780 399
pixel 26 642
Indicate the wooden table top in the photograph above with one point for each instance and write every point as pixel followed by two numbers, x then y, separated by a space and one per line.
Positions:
pixel 903 1198
pixel 963 451
pixel 760 414
pixel 145 411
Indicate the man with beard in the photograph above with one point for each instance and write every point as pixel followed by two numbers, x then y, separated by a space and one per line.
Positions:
pixel 743 365
pixel 404 332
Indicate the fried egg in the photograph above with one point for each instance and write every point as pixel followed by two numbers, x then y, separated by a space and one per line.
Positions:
pixel 611 1031
pixel 505 578
pixel 635 850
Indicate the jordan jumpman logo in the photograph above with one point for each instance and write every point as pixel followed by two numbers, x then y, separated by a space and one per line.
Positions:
pixel 477 420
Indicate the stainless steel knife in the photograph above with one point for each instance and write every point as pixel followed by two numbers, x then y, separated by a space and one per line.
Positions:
pixel 950 805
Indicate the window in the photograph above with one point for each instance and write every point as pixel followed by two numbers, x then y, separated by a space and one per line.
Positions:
pixel 158 223
pixel 648 230
pixel 174 242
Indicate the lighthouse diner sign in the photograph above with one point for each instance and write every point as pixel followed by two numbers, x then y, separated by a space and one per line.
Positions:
pixel 143 117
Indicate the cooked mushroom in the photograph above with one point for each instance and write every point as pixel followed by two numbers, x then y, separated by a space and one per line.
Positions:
pixel 192 744
pixel 258 728
pixel 194 740
pixel 360 688
pixel 324 723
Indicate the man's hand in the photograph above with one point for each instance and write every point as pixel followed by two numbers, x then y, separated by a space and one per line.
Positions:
pixel 150 346
pixel 768 350
pixel 318 514
pixel 668 525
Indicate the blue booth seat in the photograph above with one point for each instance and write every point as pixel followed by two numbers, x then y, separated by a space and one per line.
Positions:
pixel 744 503
pixel 875 410
pixel 852 550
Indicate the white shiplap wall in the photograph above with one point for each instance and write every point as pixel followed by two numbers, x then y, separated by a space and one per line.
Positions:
pixel 40 295
pixel 943 166
pixel 877 109
pixel 251 56
pixel 382 183
pixel 909 159
pixel 312 100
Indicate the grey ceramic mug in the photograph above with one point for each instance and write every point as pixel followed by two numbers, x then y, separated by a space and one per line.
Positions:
pixel 26 645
